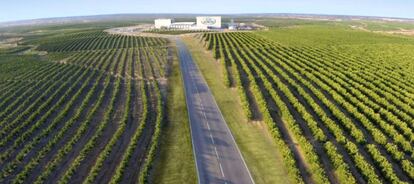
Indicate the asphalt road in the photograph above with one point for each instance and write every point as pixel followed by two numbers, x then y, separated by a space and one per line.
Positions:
pixel 218 159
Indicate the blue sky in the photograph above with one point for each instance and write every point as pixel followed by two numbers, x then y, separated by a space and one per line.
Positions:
pixel 29 9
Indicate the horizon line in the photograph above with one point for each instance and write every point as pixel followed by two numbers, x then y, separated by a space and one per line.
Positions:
pixel 115 14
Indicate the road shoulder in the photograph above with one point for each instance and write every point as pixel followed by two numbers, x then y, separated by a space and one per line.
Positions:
pixel 175 163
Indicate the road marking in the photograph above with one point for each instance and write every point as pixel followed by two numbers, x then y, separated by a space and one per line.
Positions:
pixel 228 130
pixel 184 64
pixel 215 149
pixel 211 137
pixel 221 169
pixel 195 78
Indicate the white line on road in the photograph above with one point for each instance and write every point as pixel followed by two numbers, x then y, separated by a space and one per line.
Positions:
pixel 183 65
pixel 211 137
pixel 208 126
pixel 228 130
pixel 215 149
pixel 193 78
pixel 221 169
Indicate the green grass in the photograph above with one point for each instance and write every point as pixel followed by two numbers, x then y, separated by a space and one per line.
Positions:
pixel 258 149
pixel 175 162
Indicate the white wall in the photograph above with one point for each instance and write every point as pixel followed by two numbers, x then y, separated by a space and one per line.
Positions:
pixel 209 22
pixel 160 23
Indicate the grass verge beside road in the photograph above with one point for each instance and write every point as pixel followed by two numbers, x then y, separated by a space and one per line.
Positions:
pixel 259 151
pixel 175 162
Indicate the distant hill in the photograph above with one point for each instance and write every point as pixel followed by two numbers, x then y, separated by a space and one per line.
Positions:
pixel 91 18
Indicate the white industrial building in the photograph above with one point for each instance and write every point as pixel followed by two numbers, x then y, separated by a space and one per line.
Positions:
pixel 182 25
pixel 204 22
pixel 162 23
pixel 209 22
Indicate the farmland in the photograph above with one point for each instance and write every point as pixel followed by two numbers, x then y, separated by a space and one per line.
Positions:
pixel 336 112
pixel 174 32
pixel 306 101
pixel 90 113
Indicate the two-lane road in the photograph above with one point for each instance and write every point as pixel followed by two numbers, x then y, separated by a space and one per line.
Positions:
pixel 218 159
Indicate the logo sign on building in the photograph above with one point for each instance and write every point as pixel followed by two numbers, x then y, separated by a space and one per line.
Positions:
pixel 208 21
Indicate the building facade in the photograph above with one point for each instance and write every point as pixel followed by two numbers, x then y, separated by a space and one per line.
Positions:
pixel 203 22
pixel 183 25
pixel 163 23
pixel 209 22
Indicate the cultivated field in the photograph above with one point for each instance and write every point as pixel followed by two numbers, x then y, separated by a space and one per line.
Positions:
pixel 92 116
pixel 336 117
pixel 307 101
pixel 174 32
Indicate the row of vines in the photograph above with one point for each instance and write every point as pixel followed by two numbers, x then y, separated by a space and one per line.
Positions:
pixel 330 121
pixel 94 117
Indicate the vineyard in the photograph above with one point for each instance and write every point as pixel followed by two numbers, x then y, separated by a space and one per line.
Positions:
pixel 174 32
pixel 92 117
pixel 335 118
